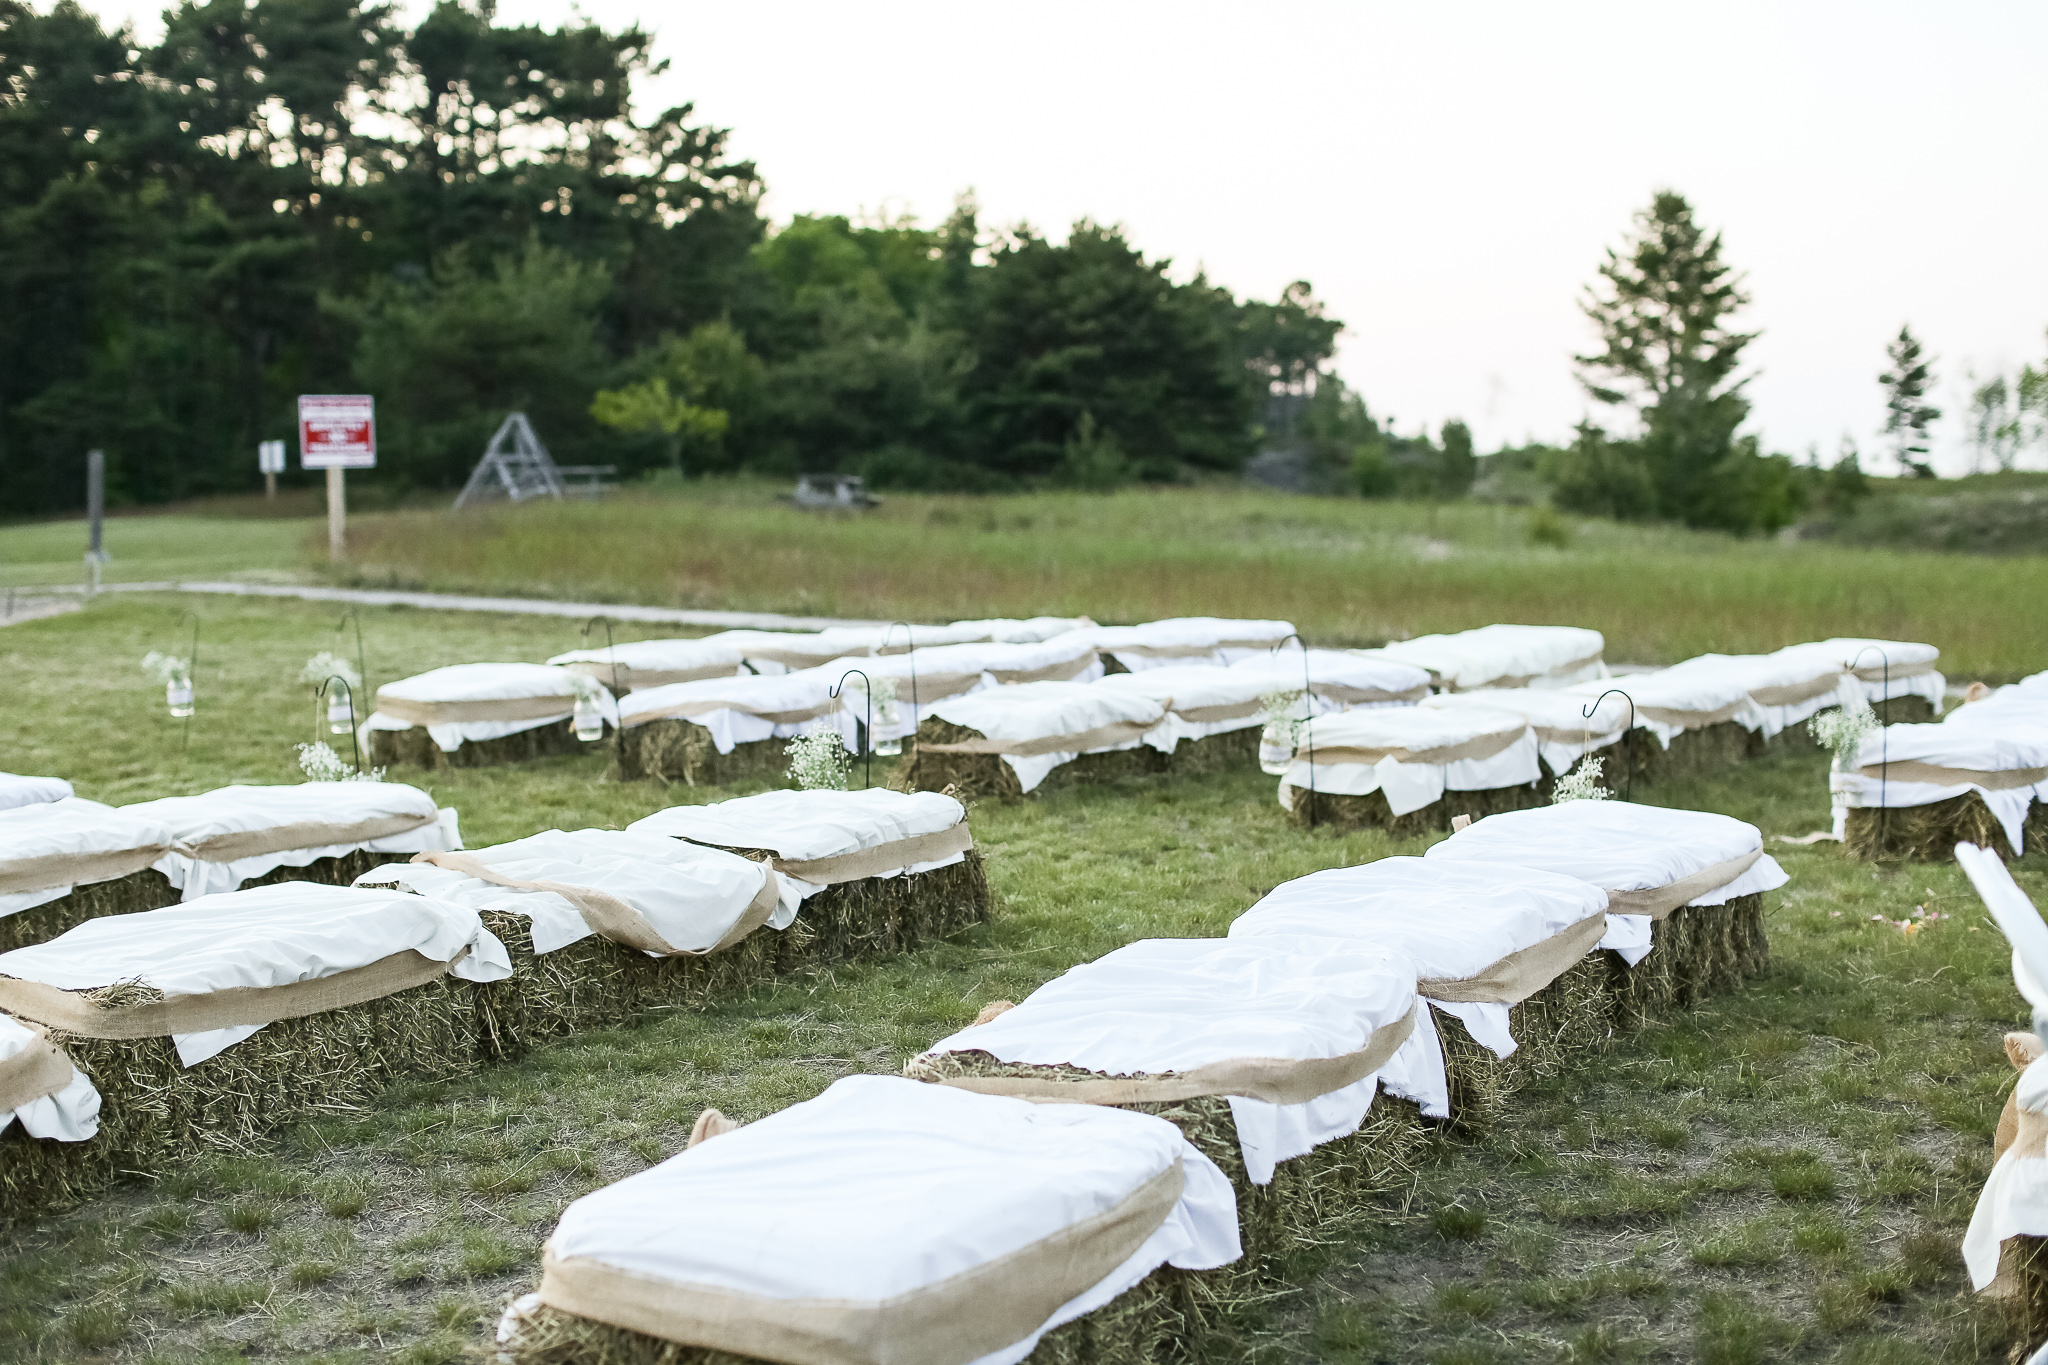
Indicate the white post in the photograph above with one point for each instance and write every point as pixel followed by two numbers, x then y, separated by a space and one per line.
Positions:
pixel 337 512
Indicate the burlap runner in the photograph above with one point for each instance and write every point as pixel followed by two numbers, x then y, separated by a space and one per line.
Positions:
pixel 630 679
pixel 612 917
pixel 1598 739
pixel 251 843
pixel 1876 672
pixel 1659 901
pixel 1521 974
pixel 1059 672
pixel 1276 1080
pixel 229 1008
pixel 925 689
pixel 704 706
pixel 963 1317
pixel 1483 746
pixel 1101 737
pixel 1690 720
pixel 479 711
pixel 893 856
pixel 1365 696
pixel 37 1070
pixel 1169 651
pixel 1913 770
pixel 1210 715
pixel 1524 679
pixel 52 870
pixel 1791 694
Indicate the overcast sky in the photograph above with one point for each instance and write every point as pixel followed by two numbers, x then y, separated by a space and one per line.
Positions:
pixel 1446 176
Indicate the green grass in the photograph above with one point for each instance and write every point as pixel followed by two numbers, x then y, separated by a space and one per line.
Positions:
pixel 1782 1174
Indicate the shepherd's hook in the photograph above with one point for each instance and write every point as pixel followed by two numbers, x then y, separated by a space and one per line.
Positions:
pixel 1308 713
pixel 868 774
pixel 612 652
pixel 362 669
pixel 1628 736
pixel 355 745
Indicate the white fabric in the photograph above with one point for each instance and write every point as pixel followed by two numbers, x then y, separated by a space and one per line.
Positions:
pixel 1010 631
pixel 1619 846
pixel 1360 668
pixel 1756 673
pixel 485 682
pixel 1548 656
pixel 689 894
pixel 881 1186
pixel 1452 920
pixel 70 1115
pixel 1548 709
pixel 913 674
pixel 2014 1201
pixel 1168 1004
pixel 1042 710
pixel 1206 633
pixel 1689 699
pixel 265 936
pixel 72 825
pixel 1857 654
pixel 16 790
pixel 239 810
pixel 1411 786
pixel 746 694
pixel 792 649
pixel 800 825
pixel 1987 736
pixel 1185 687
pixel 672 656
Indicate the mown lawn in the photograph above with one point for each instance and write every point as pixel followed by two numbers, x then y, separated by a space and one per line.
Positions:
pixel 1782 1175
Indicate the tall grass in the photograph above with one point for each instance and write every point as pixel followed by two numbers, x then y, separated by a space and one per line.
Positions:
pixel 1346 572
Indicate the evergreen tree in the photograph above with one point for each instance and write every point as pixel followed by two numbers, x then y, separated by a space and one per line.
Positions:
pixel 1908 414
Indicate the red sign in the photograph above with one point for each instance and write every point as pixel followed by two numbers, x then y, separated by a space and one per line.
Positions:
pixel 337 431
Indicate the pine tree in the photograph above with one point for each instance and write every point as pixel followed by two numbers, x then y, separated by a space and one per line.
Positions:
pixel 1908 414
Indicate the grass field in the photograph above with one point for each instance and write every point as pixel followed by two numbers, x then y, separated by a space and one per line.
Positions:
pixel 1782 1175
pixel 1346 571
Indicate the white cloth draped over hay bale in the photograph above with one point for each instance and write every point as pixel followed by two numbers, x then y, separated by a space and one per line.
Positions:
pixel 227 965
pixel 1345 677
pixel 232 835
pixel 17 790
pixel 1504 656
pixel 1481 936
pixel 822 838
pixel 1787 688
pixel 1413 755
pixel 653 663
pixel 1885 669
pixel 770 651
pixel 1187 639
pixel 1564 732
pixel 1203 701
pixel 885 1221
pixel 1034 728
pixel 658 896
pixel 50 848
pixel 923 677
pixel 1994 750
pixel 1669 703
pixel 1295 1034
pixel 41 1089
pixel 467 703
pixel 716 730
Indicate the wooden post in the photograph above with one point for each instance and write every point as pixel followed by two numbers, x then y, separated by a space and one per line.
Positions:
pixel 270 487
pixel 95 511
pixel 337 513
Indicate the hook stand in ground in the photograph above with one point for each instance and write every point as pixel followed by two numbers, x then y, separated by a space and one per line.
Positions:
pixel 1628 736
pixel 362 669
pixel 611 652
pixel 868 774
pixel 355 744
pixel 1884 745
pixel 1308 715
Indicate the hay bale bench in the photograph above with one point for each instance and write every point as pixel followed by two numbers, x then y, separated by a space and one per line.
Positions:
pixel 1410 770
pixel 718 731
pixel 1703 721
pixel 480 715
pixel 641 664
pixel 66 861
pixel 1916 791
pixel 1564 732
pixel 915 1222
pixel 1010 741
pixel 1504 656
pixel 205 1024
pixel 1180 640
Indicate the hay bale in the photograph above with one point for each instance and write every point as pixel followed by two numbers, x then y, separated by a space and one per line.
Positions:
pixel 149 889
pixel 1373 812
pixel 154 1111
pixel 1930 833
pixel 1693 754
pixel 2023 1264
pixel 1696 951
pixel 414 747
pixel 982 775
pixel 682 752
pixel 969 775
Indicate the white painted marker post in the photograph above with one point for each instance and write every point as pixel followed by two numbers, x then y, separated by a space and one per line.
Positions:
pixel 337 432
pixel 270 460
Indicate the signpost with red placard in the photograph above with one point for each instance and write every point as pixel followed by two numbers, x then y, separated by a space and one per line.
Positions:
pixel 337 432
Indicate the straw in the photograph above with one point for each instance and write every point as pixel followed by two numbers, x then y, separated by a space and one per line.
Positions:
pixel 682 752
pixel 416 747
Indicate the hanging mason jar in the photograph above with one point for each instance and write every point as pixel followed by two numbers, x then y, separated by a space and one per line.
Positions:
pixel 887 717
pixel 1276 747
pixel 178 696
pixel 339 713
pixel 588 721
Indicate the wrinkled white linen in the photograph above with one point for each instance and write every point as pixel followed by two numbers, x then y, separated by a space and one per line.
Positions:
pixel 71 825
pixel 1161 1005
pixel 744 698
pixel 883 1186
pixel 1010 631
pixel 1188 689
pixel 1451 919
pixel 1330 669
pixel 1681 701
pixel 1867 659
pixel 1984 736
pixel 16 790
pixel 1220 640
pixel 72 1114
pixel 926 676
pixel 800 825
pixel 1491 656
pixel 484 682
pixel 237 810
pixel 689 894
pixel 1411 786
pixel 1564 732
pixel 2014 1200
pixel 265 936
pixel 1619 846
pixel 1044 710
pixel 1758 674
pixel 652 656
